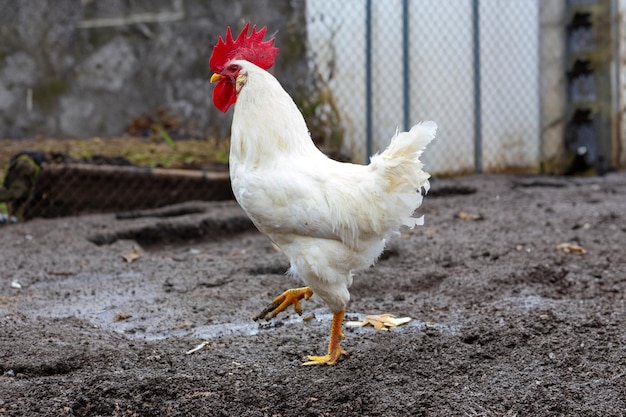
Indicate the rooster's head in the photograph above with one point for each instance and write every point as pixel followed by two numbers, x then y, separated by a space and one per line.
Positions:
pixel 227 73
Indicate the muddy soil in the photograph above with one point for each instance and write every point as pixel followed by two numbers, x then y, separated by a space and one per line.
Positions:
pixel 505 321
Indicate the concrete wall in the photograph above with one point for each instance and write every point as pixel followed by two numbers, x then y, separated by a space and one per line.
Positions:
pixel 619 149
pixel 580 74
pixel 83 68
pixel 553 84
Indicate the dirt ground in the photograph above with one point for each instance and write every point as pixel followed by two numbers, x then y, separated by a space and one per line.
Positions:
pixel 505 321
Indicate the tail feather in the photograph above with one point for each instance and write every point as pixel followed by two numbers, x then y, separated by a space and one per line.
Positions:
pixel 412 142
pixel 400 169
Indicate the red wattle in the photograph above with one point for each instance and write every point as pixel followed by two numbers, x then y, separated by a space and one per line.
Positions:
pixel 224 96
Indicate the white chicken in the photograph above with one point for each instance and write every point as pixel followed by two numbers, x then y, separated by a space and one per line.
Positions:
pixel 329 218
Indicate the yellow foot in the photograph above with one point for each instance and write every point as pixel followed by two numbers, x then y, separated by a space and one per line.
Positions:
pixel 329 359
pixel 284 300
pixel 334 348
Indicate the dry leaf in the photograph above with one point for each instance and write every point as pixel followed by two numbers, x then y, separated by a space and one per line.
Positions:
pixel 430 231
pixel 132 256
pixel 571 248
pixel 468 216
pixel 119 316
pixel 380 321
pixel 185 324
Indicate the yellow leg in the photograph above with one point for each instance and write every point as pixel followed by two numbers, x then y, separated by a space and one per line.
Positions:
pixel 334 348
pixel 284 300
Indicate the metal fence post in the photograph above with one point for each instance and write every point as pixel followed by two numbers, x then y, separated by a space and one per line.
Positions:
pixel 368 79
pixel 478 146
pixel 406 75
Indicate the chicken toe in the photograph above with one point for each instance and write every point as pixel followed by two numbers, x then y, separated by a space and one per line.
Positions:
pixel 280 303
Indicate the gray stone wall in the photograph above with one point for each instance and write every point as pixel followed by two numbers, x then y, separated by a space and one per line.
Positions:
pixel 552 78
pixel 82 68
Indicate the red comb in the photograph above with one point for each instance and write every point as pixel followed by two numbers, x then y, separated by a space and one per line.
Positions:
pixel 251 48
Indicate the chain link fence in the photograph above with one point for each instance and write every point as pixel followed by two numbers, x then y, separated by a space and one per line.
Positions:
pixel 471 66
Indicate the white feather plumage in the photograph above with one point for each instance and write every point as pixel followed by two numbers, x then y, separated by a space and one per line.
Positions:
pixel 329 218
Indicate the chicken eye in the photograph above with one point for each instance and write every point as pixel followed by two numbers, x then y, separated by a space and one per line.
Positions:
pixel 233 68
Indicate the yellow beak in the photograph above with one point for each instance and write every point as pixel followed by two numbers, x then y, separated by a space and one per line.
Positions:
pixel 216 77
